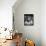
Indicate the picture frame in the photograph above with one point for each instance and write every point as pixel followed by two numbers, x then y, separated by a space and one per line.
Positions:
pixel 28 19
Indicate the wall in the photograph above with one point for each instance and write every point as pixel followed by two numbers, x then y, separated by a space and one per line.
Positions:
pixel 43 22
pixel 29 32
pixel 6 13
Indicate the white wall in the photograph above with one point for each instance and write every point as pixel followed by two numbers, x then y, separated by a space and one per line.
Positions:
pixel 6 13
pixel 43 22
pixel 29 7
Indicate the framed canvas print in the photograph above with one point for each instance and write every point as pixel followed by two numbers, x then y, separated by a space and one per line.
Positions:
pixel 28 19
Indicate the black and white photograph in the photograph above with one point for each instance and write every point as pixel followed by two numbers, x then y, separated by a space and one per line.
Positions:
pixel 28 19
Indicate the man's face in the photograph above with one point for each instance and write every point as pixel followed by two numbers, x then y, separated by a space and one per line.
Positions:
pixel 29 19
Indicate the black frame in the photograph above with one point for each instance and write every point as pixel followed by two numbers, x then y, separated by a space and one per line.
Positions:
pixel 28 19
